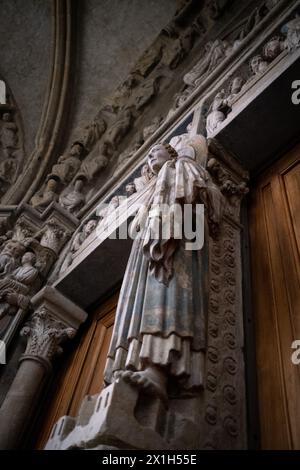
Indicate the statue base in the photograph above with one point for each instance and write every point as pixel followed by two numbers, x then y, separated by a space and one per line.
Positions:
pixel 122 417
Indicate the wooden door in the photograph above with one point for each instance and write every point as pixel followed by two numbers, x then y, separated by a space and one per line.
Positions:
pixel 275 246
pixel 82 372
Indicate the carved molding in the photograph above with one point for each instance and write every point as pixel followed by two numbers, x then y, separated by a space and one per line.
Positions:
pixel 54 110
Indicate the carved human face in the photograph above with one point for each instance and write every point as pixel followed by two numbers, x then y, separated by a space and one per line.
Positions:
pixel 157 157
pixel 14 248
pixel 76 149
pixel 255 63
pixel 28 258
pixel 236 85
pixel 89 227
pixel 130 189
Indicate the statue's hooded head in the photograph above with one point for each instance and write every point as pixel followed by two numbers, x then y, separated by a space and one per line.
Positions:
pixel 159 155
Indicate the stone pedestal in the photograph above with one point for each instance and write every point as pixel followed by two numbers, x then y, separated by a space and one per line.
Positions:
pixel 113 419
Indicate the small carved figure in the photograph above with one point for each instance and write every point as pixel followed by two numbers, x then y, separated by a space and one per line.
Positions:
pixel 218 112
pixel 117 131
pixel 8 170
pixel 273 48
pixel 45 196
pixel 15 287
pixel 78 240
pixel 8 135
pixel 67 165
pixel 235 87
pixel 258 65
pixel 92 133
pixel 180 48
pixel 9 257
pixel 73 199
pixel 93 165
pixel 292 31
pixel 215 52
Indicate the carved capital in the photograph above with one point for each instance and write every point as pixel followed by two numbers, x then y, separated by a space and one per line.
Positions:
pixel 54 320
pixel 44 335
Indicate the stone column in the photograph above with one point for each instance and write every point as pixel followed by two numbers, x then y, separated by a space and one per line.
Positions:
pixel 54 320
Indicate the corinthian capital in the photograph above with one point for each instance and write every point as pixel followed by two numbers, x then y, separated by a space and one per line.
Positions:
pixel 45 334
pixel 54 320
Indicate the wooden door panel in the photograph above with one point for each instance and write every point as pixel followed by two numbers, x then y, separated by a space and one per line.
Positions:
pixel 274 236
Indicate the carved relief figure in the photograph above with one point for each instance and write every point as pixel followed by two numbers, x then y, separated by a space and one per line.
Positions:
pixel 180 48
pixel 67 165
pixel 93 165
pixel 273 48
pixel 235 87
pixel 8 135
pixel 215 52
pixel 93 132
pixel 73 199
pixel 78 240
pixel 292 31
pixel 117 131
pixel 9 257
pixel 15 287
pixel 159 333
pixel 258 65
pixel 146 92
pixel 45 196
pixel 218 112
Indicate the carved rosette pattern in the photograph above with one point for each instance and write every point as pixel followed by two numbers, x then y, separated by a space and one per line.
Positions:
pixel 224 395
pixel 44 335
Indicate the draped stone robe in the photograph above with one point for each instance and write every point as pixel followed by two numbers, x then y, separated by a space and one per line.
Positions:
pixel 161 312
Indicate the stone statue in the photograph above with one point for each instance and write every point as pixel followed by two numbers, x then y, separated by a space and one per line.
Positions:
pixel 67 165
pixel 8 135
pixel 93 165
pixel 73 199
pixel 179 99
pixel 92 133
pixel 292 31
pixel 117 131
pixel 273 48
pixel 235 88
pixel 215 52
pixel 159 332
pixel 179 49
pixel 45 196
pixel 8 170
pixel 146 92
pixel 15 287
pixel 78 240
pixel 258 65
pixel 9 257
pixel 218 112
